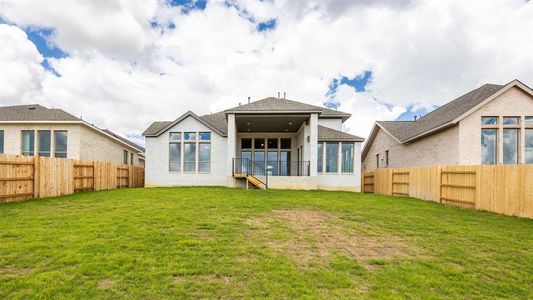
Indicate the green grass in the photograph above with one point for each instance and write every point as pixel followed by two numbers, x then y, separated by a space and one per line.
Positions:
pixel 225 243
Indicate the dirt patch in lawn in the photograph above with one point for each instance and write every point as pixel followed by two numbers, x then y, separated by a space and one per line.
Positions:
pixel 12 270
pixel 105 284
pixel 308 235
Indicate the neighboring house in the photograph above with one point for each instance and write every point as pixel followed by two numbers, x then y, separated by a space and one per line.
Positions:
pixel 299 146
pixel 492 124
pixel 36 130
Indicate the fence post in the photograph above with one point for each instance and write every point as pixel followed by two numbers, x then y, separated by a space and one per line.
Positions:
pixel 36 175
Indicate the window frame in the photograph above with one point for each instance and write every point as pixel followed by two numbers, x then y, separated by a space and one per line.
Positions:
pixel 60 153
pixel 125 157
pixel 526 131
pixel 336 170
pixel 386 158
pixel 352 144
pixel 487 124
pixel 2 141
pixel 39 151
pixel 517 145
pixel 30 152
pixel 496 145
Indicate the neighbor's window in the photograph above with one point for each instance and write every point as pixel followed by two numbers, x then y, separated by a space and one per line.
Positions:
pixel 377 161
pixel 332 157
pixel 387 158
pixel 511 120
pixel 60 143
pixel 489 120
pixel 320 155
pixel 204 152
pixel 125 157
pixel 529 121
pixel 44 141
pixel 347 157
pixel 489 146
pixel 1 141
pixel 28 142
pixel 131 158
pixel 510 146
pixel 529 146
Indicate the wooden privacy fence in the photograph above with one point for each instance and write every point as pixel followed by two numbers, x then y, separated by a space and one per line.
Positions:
pixel 24 177
pixel 504 189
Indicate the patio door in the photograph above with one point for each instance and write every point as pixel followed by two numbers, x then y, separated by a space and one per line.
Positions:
pixel 284 163
pixel 245 157
pixel 272 163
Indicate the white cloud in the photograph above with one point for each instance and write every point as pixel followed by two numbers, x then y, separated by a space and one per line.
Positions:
pixel 20 71
pixel 123 74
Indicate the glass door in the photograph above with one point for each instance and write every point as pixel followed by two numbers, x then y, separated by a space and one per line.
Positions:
pixel 272 163
pixel 284 164
pixel 246 156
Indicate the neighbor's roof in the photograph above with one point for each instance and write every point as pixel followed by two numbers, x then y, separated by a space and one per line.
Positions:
pixel 443 117
pixel 39 113
pixel 405 130
pixel 34 112
pixel 328 134
pixel 272 104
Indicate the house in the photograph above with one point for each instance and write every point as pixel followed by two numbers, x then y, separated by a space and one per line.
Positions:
pixel 492 124
pixel 273 142
pixel 36 130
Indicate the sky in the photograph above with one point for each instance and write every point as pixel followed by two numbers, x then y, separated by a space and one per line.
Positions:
pixel 122 64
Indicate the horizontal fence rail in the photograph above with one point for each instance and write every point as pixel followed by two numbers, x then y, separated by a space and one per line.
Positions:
pixel 504 189
pixel 24 177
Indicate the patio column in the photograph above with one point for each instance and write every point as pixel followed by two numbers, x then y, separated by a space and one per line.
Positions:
pixel 232 142
pixel 313 142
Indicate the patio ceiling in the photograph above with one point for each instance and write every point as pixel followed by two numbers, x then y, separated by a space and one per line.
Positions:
pixel 269 123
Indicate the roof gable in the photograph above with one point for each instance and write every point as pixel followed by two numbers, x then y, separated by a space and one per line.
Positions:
pixel 158 128
pixel 329 134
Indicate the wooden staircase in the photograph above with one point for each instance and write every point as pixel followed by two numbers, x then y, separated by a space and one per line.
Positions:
pixel 250 179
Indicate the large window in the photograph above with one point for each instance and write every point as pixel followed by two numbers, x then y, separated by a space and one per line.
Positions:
pixel 320 156
pixel 510 146
pixel 1 141
pixel 28 142
pixel 189 157
pixel 489 142
pixel 332 157
pixel 529 146
pixel 204 152
pixel 60 143
pixel 347 157
pixel 174 164
pixel 44 141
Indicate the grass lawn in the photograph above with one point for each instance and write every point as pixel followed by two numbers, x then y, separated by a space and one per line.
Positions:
pixel 226 243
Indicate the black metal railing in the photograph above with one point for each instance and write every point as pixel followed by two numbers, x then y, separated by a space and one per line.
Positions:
pixel 272 168
pixel 247 167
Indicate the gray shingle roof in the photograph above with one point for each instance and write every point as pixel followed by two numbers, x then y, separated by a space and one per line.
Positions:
pixel 155 127
pixel 328 134
pixel 405 130
pixel 277 104
pixel 34 112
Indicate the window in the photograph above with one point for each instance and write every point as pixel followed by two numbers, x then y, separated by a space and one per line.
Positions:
pixel 190 136
pixel 489 120
pixel 511 120
pixel 28 142
pixel 489 146
pixel 285 143
pixel 204 157
pixel 204 136
pixel 259 143
pixel 1 141
pixel 175 136
pixel 272 144
pixel 125 157
pixel 44 141
pixel 174 164
pixel 189 157
pixel 332 157
pixel 347 157
pixel 510 146
pixel 272 164
pixel 246 143
pixel 377 161
pixel 131 158
pixel 320 155
pixel 387 158
pixel 529 146
pixel 529 120
pixel 60 143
